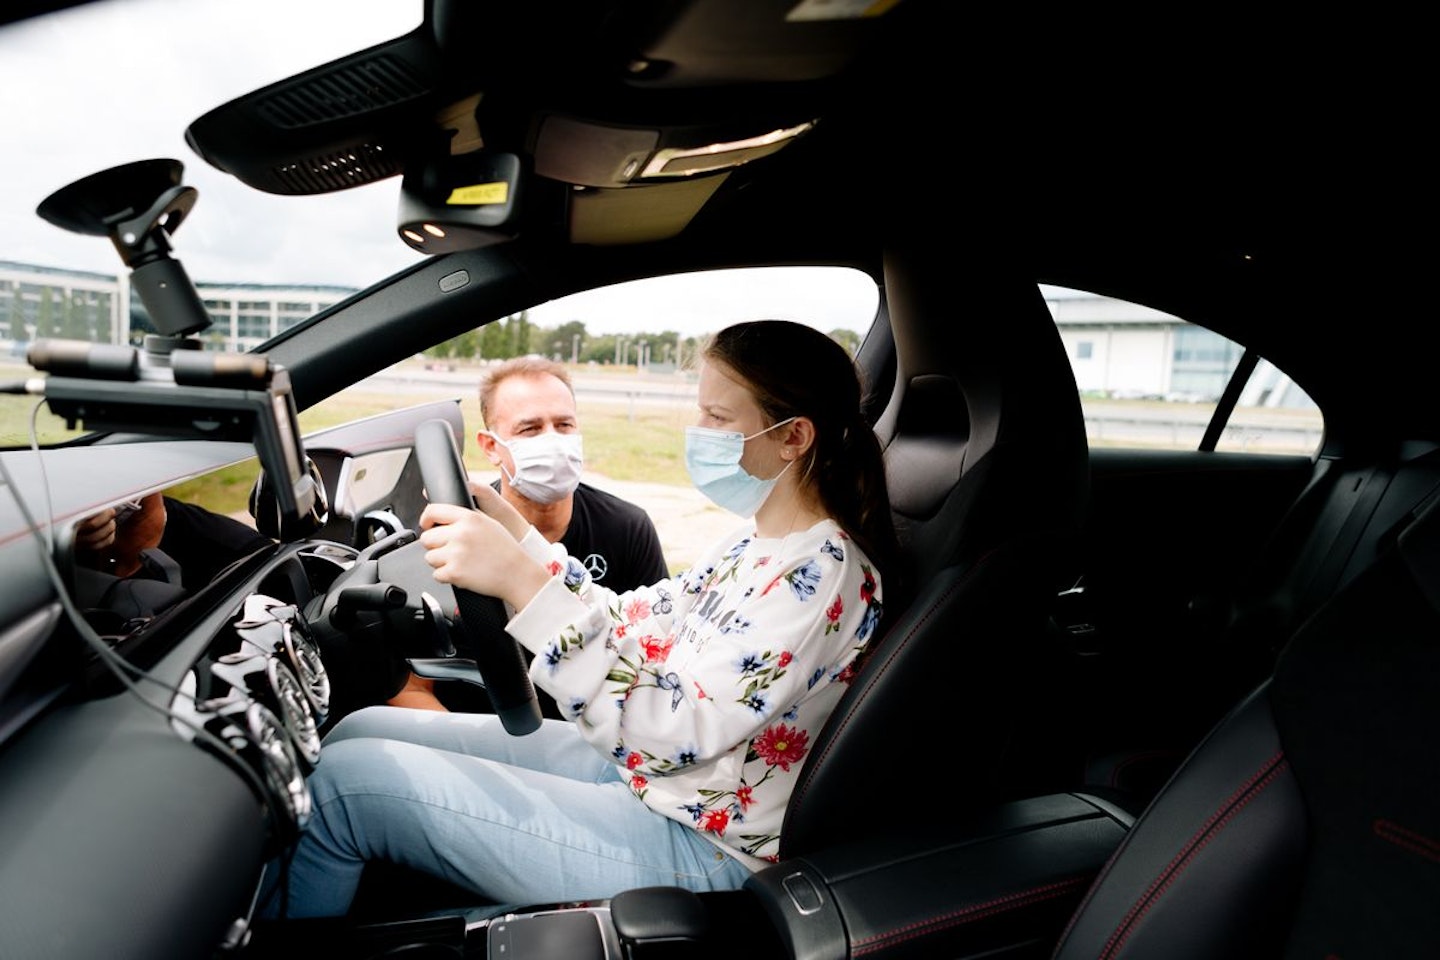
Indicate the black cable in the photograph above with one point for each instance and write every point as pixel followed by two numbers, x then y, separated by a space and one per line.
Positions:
pixel 118 665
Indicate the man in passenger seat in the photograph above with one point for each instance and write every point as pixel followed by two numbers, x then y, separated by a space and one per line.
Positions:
pixel 135 561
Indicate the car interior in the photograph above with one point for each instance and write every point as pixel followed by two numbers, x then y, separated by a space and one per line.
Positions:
pixel 1128 700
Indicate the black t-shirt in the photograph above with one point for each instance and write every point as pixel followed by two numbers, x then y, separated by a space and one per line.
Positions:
pixel 619 545
pixel 204 542
pixel 615 539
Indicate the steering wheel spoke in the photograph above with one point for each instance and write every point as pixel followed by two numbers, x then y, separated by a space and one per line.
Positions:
pixel 500 660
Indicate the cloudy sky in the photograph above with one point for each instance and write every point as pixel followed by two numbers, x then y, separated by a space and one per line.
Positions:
pixel 108 83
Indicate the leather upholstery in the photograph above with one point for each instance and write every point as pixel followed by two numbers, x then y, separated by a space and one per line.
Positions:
pixel 1307 825
pixel 984 436
pixel 988 470
pixel 1213 862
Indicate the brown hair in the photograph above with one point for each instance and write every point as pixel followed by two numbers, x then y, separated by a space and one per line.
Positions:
pixel 795 370
pixel 528 365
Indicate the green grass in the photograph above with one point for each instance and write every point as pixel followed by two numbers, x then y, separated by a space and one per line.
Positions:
pixel 644 443
pixel 625 442
pixel 621 442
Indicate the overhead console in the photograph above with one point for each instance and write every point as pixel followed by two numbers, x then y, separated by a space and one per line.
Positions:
pixel 497 146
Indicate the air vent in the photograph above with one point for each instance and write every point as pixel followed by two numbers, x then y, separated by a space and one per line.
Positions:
pixel 352 89
pixel 324 173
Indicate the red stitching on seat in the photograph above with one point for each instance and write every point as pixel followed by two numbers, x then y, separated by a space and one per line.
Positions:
pixel 1408 839
pixel 1211 828
pixel 977 911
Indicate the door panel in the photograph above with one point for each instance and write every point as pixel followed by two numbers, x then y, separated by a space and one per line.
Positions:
pixel 1172 536
pixel 370 457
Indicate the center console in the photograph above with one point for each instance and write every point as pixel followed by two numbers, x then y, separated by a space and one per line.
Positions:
pixel 1002 883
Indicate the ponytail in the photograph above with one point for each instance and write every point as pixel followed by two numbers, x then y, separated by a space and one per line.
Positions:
pixel 850 479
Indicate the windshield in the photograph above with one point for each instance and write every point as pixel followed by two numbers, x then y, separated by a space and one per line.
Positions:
pixel 104 84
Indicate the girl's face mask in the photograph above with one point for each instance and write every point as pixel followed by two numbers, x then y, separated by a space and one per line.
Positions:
pixel 713 459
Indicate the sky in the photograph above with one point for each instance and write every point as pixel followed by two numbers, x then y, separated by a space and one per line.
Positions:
pixel 108 83
pixel 105 84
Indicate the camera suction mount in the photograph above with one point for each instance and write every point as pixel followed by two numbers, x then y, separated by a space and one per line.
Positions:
pixel 139 206
pixel 173 387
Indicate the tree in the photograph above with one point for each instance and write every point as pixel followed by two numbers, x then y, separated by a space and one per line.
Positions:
pixel 848 339
pixel 572 338
pixel 520 330
pixel 19 332
pixel 492 341
pixel 74 324
pixel 45 316
pixel 599 350
pixel 466 344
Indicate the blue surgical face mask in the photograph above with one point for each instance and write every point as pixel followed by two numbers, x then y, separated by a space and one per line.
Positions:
pixel 713 459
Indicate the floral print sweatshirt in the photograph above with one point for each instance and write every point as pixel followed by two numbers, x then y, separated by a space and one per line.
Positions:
pixel 708 688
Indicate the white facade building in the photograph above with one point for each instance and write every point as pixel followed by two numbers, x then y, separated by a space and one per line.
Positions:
pixel 38 301
pixel 1118 349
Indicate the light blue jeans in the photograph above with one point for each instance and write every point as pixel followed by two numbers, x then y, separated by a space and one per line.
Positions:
pixel 529 820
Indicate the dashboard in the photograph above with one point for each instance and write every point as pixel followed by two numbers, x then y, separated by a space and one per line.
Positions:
pixel 151 768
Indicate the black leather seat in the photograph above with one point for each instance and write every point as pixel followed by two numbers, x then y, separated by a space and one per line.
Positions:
pixel 1307 824
pixel 988 469
pixel 1352 509
pixel 984 436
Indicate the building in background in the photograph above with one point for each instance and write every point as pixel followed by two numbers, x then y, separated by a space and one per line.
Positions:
pixel 1125 351
pixel 1118 350
pixel 37 301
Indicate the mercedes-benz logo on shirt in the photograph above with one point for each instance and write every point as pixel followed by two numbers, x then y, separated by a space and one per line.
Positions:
pixel 597 566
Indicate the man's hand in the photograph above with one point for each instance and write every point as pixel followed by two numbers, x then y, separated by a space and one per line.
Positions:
pixel 96 532
pixel 108 541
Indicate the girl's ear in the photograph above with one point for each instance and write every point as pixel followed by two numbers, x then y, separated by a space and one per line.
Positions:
pixel 799 438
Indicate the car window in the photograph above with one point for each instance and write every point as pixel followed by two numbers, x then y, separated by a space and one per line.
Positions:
pixel 631 348
pixel 1148 379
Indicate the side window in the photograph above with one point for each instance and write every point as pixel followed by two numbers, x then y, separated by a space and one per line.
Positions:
pixel 631 347
pixel 1148 379
pixel 630 351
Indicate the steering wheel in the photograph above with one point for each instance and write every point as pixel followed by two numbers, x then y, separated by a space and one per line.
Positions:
pixel 499 658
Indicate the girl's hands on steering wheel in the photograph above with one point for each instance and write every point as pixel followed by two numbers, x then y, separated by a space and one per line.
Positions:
pixel 488 499
pixel 473 550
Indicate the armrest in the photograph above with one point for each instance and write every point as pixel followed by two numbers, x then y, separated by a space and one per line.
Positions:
pixel 1001 881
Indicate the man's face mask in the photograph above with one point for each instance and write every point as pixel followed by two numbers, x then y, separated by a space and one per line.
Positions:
pixel 547 465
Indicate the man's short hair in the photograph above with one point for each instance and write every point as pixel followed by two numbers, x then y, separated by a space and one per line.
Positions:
pixel 528 365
